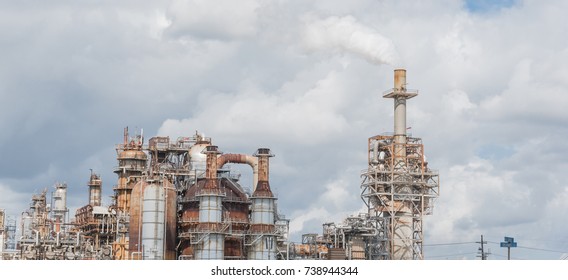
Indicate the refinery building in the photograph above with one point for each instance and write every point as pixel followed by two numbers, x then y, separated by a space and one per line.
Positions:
pixel 176 199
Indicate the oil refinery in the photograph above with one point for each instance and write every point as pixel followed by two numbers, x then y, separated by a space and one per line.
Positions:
pixel 175 199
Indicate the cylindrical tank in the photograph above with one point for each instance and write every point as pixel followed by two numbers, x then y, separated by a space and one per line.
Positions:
pixel 262 211
pixel 262 225
pixel 95 188
pixel 153 223
pixel 152 227
pixel 60 199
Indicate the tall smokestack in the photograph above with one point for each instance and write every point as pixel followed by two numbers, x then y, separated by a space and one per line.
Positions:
pixel 400 94
pixel 400 197
pixel 402 228
pixel 263 186
pixel 400 104
pixel 263 212
pixel 210 211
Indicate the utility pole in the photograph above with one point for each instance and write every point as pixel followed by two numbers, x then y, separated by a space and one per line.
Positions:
pixel 483 254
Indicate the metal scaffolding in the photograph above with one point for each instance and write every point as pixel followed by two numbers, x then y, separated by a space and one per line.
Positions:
pixel 397 197
pixel 398 187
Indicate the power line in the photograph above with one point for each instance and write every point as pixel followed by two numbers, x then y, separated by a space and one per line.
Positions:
pixel 452 255
pixel 539 249
pixel 448 244
pixel 531 248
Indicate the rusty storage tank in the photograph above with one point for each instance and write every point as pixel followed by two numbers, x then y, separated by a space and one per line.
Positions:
pixel 152 225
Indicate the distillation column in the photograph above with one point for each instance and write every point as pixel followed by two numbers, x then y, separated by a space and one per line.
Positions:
pixel 131 165
pixel 262 223
pixel 211 231
pixel 95 188
pixel 59 205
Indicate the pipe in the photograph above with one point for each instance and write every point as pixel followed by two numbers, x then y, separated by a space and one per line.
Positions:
pixel 376 154
pixel 211 165
pixel 242 159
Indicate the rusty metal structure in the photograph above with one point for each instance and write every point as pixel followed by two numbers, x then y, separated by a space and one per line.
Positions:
pixel 222 220
pixel 46 234
pixel 175 200
pixel 7 236
pixel 178 200
pixel 398 188
pixel 172 200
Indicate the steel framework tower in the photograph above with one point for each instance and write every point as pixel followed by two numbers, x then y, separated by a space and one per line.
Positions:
pixel 398 187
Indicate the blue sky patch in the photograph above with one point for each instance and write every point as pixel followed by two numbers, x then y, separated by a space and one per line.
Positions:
pixel 487 6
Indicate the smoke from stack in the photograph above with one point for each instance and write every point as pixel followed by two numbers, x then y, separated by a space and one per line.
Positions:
pixel 347 35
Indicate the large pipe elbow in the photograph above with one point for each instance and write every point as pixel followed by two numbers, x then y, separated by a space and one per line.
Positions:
pixel 236 158
pixel 241 159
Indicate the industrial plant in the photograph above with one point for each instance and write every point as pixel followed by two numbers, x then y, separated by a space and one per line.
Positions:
pixel 398 189
pixel 177 200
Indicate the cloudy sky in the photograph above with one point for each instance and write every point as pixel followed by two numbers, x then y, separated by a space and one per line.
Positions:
pixel 305 79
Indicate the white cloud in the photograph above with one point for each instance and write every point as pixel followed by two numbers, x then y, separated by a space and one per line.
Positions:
pixel 309 118
pixel 218 20
pixel 345 34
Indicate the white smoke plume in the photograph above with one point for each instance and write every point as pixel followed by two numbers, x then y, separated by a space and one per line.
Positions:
pixel 347 35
